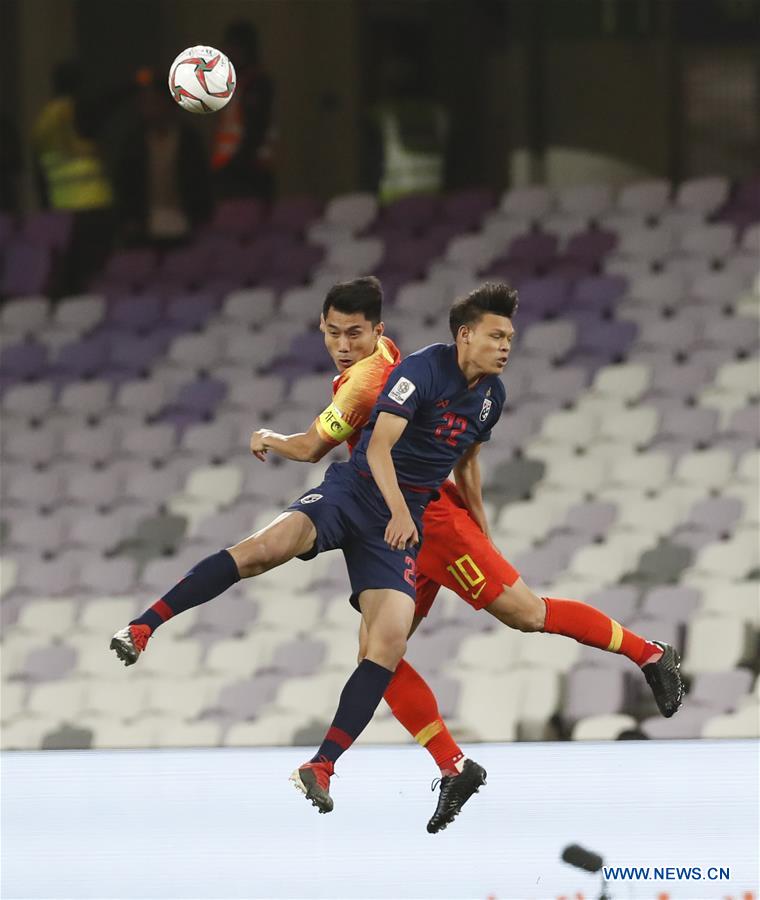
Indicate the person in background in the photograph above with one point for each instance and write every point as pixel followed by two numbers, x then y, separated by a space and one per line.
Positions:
pixel 10 165
pixel 162 172
pixel 243 144
pixel 71 174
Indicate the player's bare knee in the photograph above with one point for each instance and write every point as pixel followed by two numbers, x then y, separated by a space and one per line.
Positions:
pixel 519 609
pixel 387 652
pixel 252 556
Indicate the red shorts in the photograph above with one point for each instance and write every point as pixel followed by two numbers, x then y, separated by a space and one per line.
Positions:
pixel 456 554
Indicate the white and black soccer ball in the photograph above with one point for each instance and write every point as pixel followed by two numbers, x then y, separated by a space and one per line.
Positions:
pixel 202 80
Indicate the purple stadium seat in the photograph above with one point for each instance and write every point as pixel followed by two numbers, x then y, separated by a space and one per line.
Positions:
pixel 467 207
pixel 571 270
pixel 601 341
pixel 671 603
pixel 27 359
pixel 679 380
pixel 130 267
pixel 26 270
pixel 294 214
pixel 309 350
pixel 191 310
pixel 590 246
pixel 294 262
pixel 720 690
pixel 533 249
pixel 544 297
pixel 186 267
pixel 593 520
pixel 719 514
pixel 745 422
pixel 199 399
pixel 697 425
pixel 49 228
pixel 513 272
pixel 619 602
pixel 412 256
pixel 84 358
pixel 239 218
pixel 563 384
pixel 598 293
pixel 245 699
pixel 49 663
pixel 542 564
pixel 414 213
pixel 298 657
pixel 735 334
pixel 687 724
pixel 590 691
pixel 136 312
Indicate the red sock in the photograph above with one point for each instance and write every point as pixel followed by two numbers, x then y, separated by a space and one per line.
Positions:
pixel 590 626
pixel 414 705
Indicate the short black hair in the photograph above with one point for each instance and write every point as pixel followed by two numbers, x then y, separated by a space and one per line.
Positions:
pixel 492 297
pixel 361 295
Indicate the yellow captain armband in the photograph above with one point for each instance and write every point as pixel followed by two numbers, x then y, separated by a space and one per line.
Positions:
pixel 333 426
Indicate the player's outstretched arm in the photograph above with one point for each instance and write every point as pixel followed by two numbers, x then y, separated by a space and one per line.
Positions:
pixel 468 480
pixel 401 531
pixel 307 446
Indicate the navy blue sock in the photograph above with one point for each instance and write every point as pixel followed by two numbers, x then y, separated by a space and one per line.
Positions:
pixel 206 580
pixel 359 699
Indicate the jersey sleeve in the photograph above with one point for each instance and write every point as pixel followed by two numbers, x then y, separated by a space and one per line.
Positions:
pixel 495 414
pixel 351 405
pixel 409 386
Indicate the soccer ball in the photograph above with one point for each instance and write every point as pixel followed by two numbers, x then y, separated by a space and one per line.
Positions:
pixel 202 80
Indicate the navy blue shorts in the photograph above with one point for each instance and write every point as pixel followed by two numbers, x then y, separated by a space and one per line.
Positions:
pixel 350 514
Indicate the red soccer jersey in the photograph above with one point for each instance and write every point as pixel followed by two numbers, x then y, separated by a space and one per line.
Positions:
pixel 355 393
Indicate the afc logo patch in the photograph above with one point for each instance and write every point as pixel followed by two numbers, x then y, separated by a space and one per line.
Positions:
pixel 487 404
pixel 402 390
pixel 310 498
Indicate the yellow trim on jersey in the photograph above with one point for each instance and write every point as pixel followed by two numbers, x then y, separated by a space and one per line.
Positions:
pixel 332 426
pixel 383 346
pixel 425 735
pixel 617 637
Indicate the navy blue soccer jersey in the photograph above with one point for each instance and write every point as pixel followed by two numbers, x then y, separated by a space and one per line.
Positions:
pixel 445 416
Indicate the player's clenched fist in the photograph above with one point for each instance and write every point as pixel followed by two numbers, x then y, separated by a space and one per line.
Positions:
pixel 258 446
pixel 401 531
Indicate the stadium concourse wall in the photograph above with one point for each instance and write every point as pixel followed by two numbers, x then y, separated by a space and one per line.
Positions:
pixel 227 824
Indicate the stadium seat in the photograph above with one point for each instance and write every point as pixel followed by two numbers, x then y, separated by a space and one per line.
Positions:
pixel 25 733
pixel 720 691
pixel 24 317
pixel 687 724
pixel 715 644
pixel 703 195
pixel 591 692
pixel 603 727
pixel 734 599
pixel 318 694
pixel 351 211
pixel 744 723
pixel 270 729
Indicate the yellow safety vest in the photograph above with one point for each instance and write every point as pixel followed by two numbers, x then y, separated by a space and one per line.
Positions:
pixel 410 169
pixel 73 170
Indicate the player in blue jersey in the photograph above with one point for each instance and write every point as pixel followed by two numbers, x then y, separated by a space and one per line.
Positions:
pixel 437 408
pixel 449 397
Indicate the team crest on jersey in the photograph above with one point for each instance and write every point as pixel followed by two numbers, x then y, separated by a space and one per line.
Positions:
pixel 402 390
pixel 487 404
pixel 310 498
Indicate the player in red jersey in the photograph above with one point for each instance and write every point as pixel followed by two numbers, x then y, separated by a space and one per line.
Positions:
pixel 456 553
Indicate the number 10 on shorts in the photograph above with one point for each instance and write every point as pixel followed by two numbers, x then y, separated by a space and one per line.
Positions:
pixel 468 575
